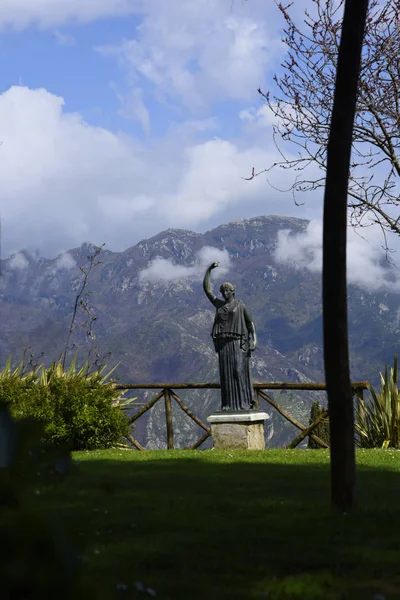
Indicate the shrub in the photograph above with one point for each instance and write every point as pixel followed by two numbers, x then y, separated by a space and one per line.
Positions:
pixel 322 429
pixel 84 414
pixel 377 422
pixel 77 410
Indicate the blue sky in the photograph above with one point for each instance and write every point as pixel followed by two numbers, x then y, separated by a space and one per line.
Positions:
pixel 64 61
pixel 121 118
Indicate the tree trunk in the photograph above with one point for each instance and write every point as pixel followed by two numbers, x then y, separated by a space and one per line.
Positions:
pixel 337 372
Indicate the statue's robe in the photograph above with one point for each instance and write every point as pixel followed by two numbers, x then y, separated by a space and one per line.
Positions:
pixel 230 333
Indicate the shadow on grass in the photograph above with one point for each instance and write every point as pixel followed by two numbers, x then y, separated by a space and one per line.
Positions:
pixel 192 528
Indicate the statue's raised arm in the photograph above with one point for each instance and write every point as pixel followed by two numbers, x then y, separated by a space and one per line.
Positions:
pixel 207 285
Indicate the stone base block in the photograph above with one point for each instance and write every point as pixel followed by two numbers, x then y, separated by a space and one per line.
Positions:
pixel 238 430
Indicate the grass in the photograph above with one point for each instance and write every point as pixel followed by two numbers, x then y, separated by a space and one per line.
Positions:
pixel 209 524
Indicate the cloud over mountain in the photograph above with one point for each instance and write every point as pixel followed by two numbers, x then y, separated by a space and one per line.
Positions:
pixel 366 262
pixel 164 269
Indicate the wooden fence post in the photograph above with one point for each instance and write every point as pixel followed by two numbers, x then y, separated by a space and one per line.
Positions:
pixel 168 417
pixel 256 399
pixel 308 430
pixel 291 419
pixel 359 392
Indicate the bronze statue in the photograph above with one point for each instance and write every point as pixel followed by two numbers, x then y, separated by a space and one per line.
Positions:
pixel 234 336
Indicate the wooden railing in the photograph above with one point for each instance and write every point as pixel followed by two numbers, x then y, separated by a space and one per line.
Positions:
pixel 168 394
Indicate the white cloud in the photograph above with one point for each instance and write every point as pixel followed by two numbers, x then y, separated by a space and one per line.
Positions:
pixel 134 109
pixel 260 116
pixel 120 208
pixel 48 13
pixel 212 180
pixel 209 254
pixel 174 21
pixel 64 39
pixel 64 181
pixel 366 265
pixel 197 125
pixel 18 261
pixel 199 52
pixel 303 250
pixel 56 170
pixel 65 261
pixel 164 270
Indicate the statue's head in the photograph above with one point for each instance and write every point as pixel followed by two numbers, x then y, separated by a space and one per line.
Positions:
pixel 227 290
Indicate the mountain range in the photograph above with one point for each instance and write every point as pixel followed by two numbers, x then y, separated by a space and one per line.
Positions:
pixel 156 322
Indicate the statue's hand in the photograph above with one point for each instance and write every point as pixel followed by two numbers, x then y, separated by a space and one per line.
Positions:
pixel 252 343
pixel 214 265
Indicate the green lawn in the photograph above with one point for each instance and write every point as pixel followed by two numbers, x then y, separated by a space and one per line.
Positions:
pixel 209 524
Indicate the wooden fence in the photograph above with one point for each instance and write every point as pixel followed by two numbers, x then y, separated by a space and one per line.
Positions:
pixel 168 394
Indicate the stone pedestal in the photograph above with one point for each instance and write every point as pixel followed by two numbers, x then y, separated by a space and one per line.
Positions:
pixel 238 430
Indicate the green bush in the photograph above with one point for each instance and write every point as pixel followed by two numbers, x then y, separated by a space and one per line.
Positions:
pixel 82 412
pixel 377 421
pixel 321 430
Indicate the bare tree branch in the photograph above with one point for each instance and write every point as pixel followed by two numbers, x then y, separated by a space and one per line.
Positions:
pixel 81 302
pixel 301 101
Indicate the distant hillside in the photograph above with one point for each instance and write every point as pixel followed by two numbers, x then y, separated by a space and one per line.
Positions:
pixel 161 331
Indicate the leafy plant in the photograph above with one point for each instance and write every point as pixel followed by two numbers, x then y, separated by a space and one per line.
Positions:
pixel 10 372
pixel 80 410
pixel 57 370
pixel 378 421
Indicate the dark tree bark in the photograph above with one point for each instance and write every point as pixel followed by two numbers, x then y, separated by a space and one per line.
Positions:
pixel 337 372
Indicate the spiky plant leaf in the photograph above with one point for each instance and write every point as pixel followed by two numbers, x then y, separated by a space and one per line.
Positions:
pixel 378 421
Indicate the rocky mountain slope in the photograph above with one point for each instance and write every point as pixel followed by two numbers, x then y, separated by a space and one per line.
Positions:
pixel 159 330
